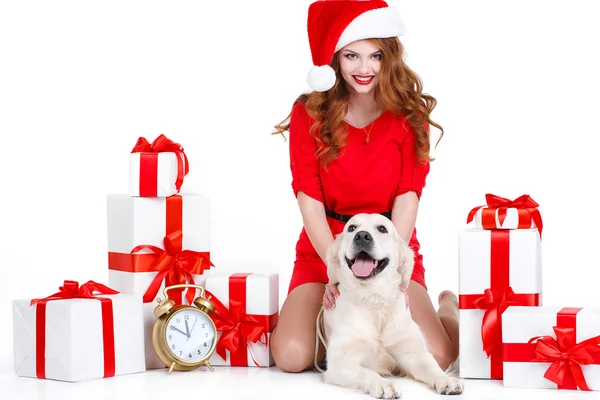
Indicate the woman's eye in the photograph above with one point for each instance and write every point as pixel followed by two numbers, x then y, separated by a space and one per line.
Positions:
pixel 352 56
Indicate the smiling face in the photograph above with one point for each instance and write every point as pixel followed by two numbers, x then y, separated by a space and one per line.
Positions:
pixel 367 248
pixel 368 251
pixel 360 65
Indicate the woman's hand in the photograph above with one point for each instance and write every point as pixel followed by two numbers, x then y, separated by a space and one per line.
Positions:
pixel 330 295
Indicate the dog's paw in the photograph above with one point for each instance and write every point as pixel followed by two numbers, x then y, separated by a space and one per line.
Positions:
pixel 448 385
pixel 384 389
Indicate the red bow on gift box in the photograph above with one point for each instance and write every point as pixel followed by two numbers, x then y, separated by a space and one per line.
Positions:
pixel 494 304
pixel 525 205
pixel 72 290
pixel 563 353
pixel 175 266
pixel 163 144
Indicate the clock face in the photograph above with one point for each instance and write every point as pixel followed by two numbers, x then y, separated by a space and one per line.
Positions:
pixel 190 335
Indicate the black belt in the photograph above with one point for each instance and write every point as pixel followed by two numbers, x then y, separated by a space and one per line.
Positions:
pixel 345 218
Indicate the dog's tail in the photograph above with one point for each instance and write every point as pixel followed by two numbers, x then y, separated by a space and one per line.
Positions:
pixel 319 336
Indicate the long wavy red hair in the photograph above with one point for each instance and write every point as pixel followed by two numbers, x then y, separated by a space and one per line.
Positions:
pixel 399 90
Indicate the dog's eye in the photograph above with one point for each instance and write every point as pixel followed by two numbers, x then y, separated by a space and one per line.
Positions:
pixel 382 229
pixel 351 228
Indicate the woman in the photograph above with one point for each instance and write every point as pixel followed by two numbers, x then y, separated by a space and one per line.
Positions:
pixel 358 143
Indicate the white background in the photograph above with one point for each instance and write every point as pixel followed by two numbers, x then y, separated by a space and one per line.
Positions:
pixel 517 85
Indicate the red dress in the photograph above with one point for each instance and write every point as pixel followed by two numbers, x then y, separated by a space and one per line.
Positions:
pixel 366 178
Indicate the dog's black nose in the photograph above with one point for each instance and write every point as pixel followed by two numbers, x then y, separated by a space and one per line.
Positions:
pixel 363 238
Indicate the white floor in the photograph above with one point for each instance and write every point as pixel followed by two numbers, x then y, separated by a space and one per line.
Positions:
pixel 244 383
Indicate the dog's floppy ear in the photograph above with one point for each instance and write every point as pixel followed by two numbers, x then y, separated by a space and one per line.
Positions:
pixel 333 259
pixel 406 261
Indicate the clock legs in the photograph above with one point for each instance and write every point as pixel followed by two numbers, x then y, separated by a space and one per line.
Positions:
pixel 172 366
pixel 209 366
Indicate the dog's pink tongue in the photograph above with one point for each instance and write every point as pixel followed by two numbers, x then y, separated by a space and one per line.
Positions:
pixel 363 266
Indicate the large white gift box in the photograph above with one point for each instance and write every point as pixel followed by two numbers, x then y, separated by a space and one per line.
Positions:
pixel 247 310
pixel 77 339
pixel 551 347
pixel 154 242
pixel 497 268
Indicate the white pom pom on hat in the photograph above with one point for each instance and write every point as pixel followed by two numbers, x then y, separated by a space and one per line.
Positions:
pixel 333 24
pixel 321 78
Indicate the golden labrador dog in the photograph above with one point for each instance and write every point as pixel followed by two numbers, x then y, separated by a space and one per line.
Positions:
pixel 369 333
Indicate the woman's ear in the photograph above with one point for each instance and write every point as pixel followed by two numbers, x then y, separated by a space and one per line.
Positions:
pixel 333 259
pixel 406 261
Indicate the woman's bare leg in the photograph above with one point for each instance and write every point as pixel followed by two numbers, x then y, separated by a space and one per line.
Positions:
pixel 448 313
pixel 293 339
pixel 439 328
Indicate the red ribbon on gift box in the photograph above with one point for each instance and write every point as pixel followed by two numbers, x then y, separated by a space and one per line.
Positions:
pixel 175 266
pixel 496 299
pixel 525 205
pixel 72 290
pixel 149 163
pixel 563 352
pixel 238 327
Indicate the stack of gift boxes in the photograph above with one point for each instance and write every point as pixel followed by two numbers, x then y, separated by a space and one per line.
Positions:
pixel 157 237
pixel 505 331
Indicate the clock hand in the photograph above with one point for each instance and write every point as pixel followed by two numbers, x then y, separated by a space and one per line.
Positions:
pixel 194 325
pixel 187 329
pixel 178 330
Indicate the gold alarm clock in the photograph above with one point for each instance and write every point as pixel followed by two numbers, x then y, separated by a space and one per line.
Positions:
pixel 184 337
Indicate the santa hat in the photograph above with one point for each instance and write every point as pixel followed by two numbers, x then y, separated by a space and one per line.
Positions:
pixel 333 24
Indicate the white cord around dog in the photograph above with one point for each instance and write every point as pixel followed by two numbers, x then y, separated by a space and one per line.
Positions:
pixel 319 336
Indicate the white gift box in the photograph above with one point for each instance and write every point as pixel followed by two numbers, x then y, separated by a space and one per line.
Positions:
pixel 74 348
pixel 136 221
pixel 516 259
pixel 133 221
pixel 259 293
pixel 153 174
pixel 511 219
pixel 520 324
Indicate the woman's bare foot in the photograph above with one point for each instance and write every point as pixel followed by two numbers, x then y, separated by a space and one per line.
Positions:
pixel 449 317
pixel 447 295
pixel 448 304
